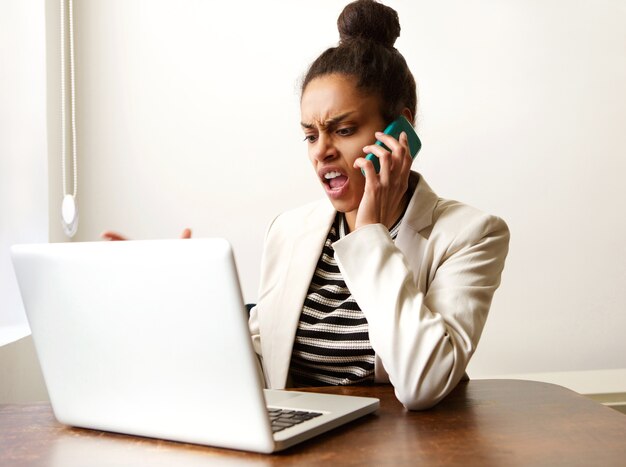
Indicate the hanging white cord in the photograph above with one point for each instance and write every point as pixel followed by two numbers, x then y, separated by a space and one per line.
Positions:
pixel 73 98
pixel 69 208
pixel 63 130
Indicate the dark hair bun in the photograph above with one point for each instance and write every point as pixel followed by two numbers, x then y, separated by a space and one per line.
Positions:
pixel 368 19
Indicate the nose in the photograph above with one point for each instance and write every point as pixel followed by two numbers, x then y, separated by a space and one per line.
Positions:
pixel 324 150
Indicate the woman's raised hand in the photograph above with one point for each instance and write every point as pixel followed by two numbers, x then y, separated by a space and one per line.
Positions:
pixel 114 236
pixel 383 197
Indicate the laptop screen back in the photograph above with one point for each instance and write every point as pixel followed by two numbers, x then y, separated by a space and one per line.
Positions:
pixel 145 337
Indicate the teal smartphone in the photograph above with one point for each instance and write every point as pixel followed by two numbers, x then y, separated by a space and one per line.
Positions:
pixel 394 129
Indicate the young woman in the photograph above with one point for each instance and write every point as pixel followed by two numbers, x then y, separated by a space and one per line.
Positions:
pixel 382 281
pixel 387 282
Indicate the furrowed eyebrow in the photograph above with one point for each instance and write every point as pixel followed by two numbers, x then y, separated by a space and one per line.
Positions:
pixel 335 120
pixel 328 122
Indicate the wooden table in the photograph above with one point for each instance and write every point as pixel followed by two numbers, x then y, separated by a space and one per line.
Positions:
pixel 483 422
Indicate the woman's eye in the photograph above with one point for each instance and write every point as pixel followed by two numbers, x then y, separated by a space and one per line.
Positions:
pixel 310 138
pixel 345 131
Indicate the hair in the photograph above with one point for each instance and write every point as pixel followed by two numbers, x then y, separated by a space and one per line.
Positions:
pixel 367 33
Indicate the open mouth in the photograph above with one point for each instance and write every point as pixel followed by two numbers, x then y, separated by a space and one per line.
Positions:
pixel 335 180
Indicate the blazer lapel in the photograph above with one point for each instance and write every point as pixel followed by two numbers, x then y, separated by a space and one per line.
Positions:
pixel 305 252
pixel 412 239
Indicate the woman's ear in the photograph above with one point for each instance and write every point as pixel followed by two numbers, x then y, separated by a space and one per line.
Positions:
pixel 408 114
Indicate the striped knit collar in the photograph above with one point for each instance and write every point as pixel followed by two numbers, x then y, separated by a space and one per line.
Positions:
pixel 342 229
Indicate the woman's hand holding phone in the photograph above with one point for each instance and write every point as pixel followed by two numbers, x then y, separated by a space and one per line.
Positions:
pixel 384 192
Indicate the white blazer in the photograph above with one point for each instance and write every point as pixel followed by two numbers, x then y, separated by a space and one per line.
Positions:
pixel 425 297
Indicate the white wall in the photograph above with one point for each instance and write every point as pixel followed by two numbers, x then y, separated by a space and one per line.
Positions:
pixel 23 163
pixel 188 116
pixel 23 183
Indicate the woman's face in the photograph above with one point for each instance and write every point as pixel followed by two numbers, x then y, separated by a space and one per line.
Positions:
pixel 338 120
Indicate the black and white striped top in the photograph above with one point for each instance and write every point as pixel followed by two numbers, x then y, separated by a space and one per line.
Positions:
pixel 332 345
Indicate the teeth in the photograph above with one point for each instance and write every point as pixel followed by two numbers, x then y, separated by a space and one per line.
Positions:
pixel 331 175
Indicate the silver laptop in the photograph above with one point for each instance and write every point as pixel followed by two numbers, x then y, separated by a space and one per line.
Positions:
pixel 151 338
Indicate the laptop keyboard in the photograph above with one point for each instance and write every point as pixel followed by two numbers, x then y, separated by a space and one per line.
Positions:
pixel 281 418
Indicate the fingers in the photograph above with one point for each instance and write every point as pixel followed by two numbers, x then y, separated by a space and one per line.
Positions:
pixel 407 160
pixel 378 151
pixel 367 167
pixel 384 191
pixel 396 157
pixel 399 147
pixel 113 236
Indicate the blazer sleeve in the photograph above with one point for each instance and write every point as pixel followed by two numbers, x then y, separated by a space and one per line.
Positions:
pixel 253 320
pixel 425 339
